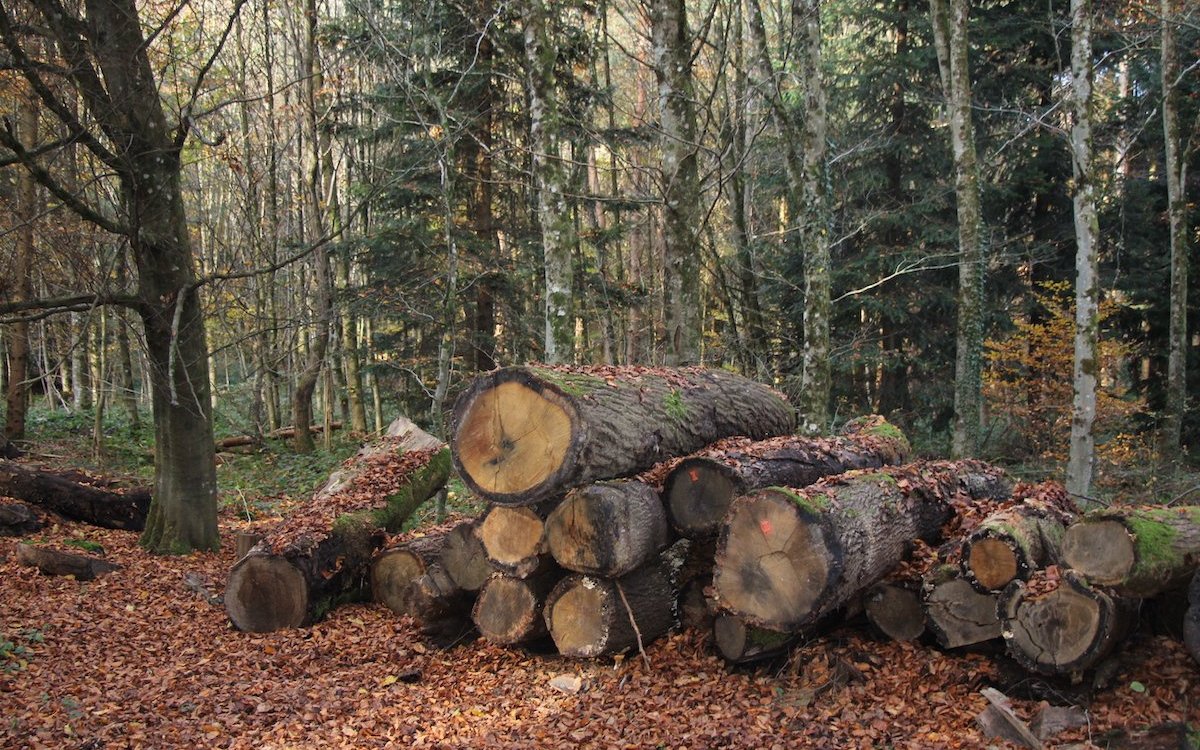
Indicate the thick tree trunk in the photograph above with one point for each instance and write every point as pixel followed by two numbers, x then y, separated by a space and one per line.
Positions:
pixel 320 555
pixel 74 500
pixel 955 612
pixel 17 519
pixel 741 643
pixel 608 528
pixel 698 491
pixel 525 434
pixel 514 539
pixel 1013 542
pixel 17 395
pixel 53 562
pixel 1139 551
pixel 509 611
pixel 1062 625
pixel 895 609
pixel 590 616
pixel 394 569
pixel 463 557
pixel 1174 169
pixel 441 608
pixel 788 557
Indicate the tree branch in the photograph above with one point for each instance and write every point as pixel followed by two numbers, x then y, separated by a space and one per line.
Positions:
pixel 185 120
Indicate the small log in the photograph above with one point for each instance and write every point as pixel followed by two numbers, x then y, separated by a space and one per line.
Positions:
pixel 75 500
pixel 956 613
pixel 1139 551
pixel 464 558
pixel 522 435
pixel 1191 621
pixel 788 557
pixel 1016 540
pixel 509 610
pixel 283 433
pixel 394 569
pixel 244 541
pixel 514 539
pixel 589 616
pixel 53 562
pixel 1058 624
pixel 698 491
pixel 18 519
pixel 441 608
pixel 741 643
pixel 608 528
pixel 894 608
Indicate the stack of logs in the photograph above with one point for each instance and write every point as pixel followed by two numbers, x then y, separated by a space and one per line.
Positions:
pixel 624 500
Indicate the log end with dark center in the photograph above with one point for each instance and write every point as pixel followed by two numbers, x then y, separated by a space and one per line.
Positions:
pixel 266 593
pixel 1103 551
pixel 698 493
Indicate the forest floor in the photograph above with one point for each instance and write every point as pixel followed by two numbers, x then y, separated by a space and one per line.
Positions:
pixel 143 657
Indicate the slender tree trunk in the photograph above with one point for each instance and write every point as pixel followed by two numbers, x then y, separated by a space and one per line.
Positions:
pixel 1174 166
pixel 1086 368
pixel 17 393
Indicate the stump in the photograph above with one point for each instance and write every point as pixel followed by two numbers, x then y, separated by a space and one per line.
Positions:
pixel 509 610
pixel 522 435
pixel 589 616
pixel 1138 551
pixel 956 613
pixel 394 569
pixel 514 539
pixel 76 500
pixel 463 557
pixel 54 562
pixel 740 643
pixel 17 519
pixel 1013 542
pixel 895 610
pixel 608 528
pixel 698 491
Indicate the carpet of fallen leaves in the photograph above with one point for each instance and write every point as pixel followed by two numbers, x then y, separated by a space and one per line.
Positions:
pixel 139 658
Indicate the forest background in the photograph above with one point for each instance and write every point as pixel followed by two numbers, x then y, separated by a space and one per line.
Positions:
pixel 229 216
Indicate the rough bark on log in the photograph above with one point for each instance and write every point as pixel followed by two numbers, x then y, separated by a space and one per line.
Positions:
pixel 17 519
pixel 1138 551
pixel 319 556
pixel 1058 624
pixel 464 558
pixel 394 569
pixel 514 539
pixel 509 610
pixel 955 612
pixel 788 557
pixel 75 500
pixel 1015 541
pixel 526 434
pixel 441 608
pixel 589 616
pixel 54 562
pixel 699 490
pixel 607 528
pixel 1191 621
pixel 895 610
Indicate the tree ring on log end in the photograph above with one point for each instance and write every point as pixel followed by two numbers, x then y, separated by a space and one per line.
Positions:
pixel 1101 550
pixel 993 563
pixel 504 609
pixel 698 494
pixel 513 437
pixel 1058 629
pixel 392 572
pixel 266 593
pixel 577 619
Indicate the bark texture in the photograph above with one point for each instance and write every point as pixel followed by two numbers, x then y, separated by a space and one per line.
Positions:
pixel 608 528
pixel 1139 551
pixel 590 616
pixel 75 500
pixel 1191 620
pixel 523 435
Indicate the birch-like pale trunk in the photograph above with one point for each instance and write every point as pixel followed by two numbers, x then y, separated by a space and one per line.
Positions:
pixel 1175 166
pixel 950 38
pixel 1081 459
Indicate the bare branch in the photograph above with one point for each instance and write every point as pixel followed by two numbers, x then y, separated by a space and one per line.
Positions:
pixel 186 123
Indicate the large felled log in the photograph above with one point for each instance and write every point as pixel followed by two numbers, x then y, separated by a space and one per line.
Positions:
pixel 1015 541
pixel 464 558
pixel 441 608
pixel 319 556
pixel 17 519
pixel 1191 620
pixel 1138 551
pixel 895 609
pixel 509 610
pixel 394 569
pixel 1058 624
pixel 788 557
pixel 955 612
pixel 589 616
pixel 698 491
pixel 75 500
pixel 526 434
pixel 514 539
pixel 607 528
pixel 53 562
pixel 740 643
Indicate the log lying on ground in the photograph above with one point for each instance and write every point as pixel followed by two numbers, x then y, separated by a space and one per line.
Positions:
pixel 1138 551
pixel 318 557
pixel 589 616
pixel 522 435
pixel 283 433
pixel 607 528
pixel 955 612
pixel 699 490
pixel 788 557
pixel 54 562
pixel 464 558
pixel 1015 541
pixel 18 519
pixel 509 610
pixel 1191 620
pixel 514 539
pixel 394 569
pixel 1058 624
pixel 895 609
pixel 441 608
pixel 75 500
pixel 740 643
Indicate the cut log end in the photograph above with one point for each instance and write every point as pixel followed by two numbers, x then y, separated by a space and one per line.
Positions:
pixel 513 438
pixel 896 611
pixel 573 621
pixel 739 643
pixel 392 573
pixel 509 611
pixel 698 494
pixel 993 563
pixel 1103 551
pixel 512 537
pixel 266 593
pixel 959 615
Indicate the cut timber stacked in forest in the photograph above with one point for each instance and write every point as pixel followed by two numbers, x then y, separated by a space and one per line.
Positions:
pixel 514 539
pixel 509 610
pixel 319 556
pixel 895 609
pixel 522 435
pixel 699 490
pixel 607 528
pixel 1015 541
pixel 76 500
pixel 441 607
pixel 955 612
pixel 1139 551
pixel 394 569
pixel 464 558
pixel 788 557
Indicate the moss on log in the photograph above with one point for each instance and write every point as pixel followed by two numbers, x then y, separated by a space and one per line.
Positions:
pixel 1139 551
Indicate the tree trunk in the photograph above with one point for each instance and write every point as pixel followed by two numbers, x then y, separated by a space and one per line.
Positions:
pixel 514 539
pixel 1139 551
pixel 741 643
pixel 1013 542
pixel 1062 626
pixel 509 611
pixel 463 557
pixel 394 569
pixel 608 528
pixel 54 562
pixel 1174 168
pixel 17 519
pixel 895 609
pixel 319 556
pixel 1191 621
pixel 17 396
pixel 788 557
pixel 526 434
pixel 74 500
pixel 955 612
pixel 441 608
pixel 590 616
pixel 698 491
